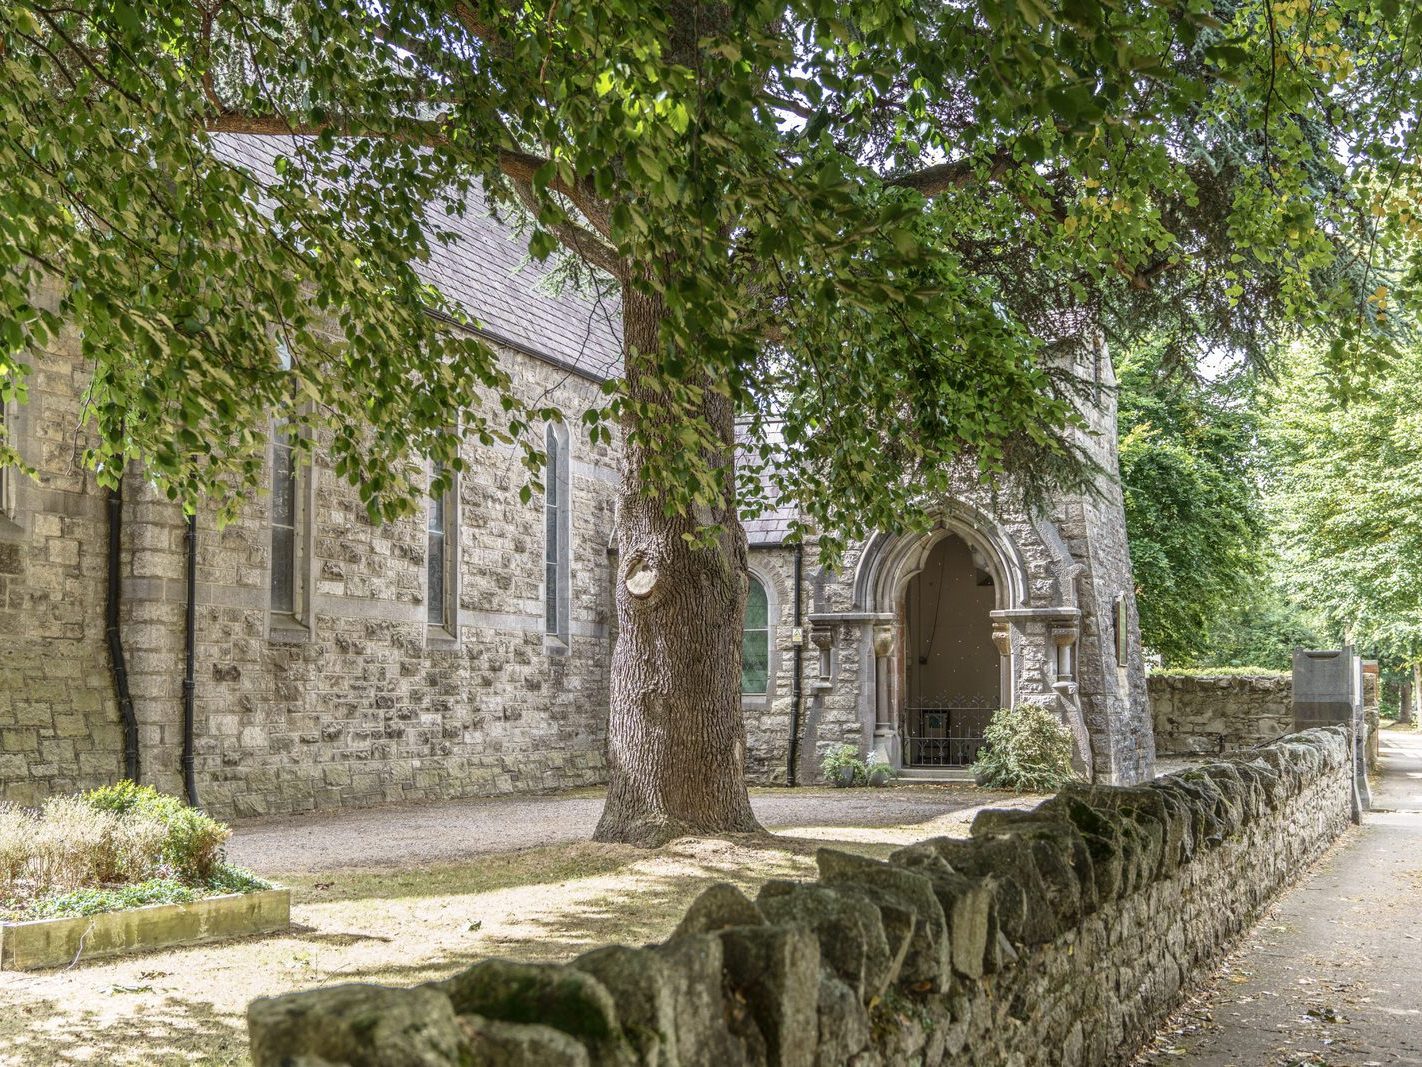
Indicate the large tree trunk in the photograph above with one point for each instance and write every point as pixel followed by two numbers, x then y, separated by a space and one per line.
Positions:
pixel 676 736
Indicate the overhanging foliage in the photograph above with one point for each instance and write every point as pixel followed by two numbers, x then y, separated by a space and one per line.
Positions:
pixel 883 229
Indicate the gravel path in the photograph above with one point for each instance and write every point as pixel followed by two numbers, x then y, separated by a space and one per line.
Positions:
pixel 1332 975
pixel 403 835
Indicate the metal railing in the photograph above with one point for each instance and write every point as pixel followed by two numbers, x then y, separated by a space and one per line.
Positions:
pixel 946 733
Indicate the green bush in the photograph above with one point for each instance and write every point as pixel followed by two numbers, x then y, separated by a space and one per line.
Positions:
pixel 1218 672
pixel 1027 748
pixel 840 757
pixel 192 845
pixel 227 878
pixel 91 901
pixel 122 797
pixel 878 771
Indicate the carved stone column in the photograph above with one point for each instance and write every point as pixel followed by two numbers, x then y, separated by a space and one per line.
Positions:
pixel 886 730
pixel 1064 638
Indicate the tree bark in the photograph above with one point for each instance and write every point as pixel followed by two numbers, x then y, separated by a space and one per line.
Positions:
pixel 676 732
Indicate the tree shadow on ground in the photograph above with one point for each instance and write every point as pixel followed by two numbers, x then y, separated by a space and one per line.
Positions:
pixel 171 1030
pixel 298 932
pixel 396 927
pixel 651 897
pixel 484 874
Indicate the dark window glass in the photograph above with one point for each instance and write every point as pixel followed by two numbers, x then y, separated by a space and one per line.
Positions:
pixel 284 507
pixel 555 536
pixel 755 641
pixel 6 486
pixel 436 558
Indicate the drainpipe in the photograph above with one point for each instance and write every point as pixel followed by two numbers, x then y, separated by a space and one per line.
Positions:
pixel 795 694
pixel 117 666
pixel 189 678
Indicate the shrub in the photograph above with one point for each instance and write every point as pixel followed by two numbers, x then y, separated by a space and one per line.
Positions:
pixel 227 878
pixel 878 771
pixel 840 757
pixel 17 835
pixel 118 847
pixel 74 845
pixel 122 797
pixel 192 845
pixel 91 901
pixel 1027 748
pixel 1218 672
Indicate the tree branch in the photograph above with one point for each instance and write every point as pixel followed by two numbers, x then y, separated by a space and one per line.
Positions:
pixel 786 104
pixel 518 167
pixel 420 132
pixel 575 238
pixel 939 178
pixel 473 22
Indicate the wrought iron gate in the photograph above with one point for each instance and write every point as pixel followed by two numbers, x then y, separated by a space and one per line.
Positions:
pixel 946 733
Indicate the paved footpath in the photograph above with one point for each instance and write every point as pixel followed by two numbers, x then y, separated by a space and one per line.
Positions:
pixel 1332 974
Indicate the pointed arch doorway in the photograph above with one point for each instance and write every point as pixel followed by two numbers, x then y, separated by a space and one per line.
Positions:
pixel 952 672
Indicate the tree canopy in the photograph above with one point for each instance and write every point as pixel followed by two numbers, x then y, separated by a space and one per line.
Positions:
pixel 874 228
pixel 1195 522
pixel 1345 495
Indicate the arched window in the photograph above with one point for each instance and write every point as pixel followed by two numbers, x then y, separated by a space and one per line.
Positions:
pixel 755 641
pixel 287 519
pixel 557 536
pixel 7 473
pixel 292 508
pixel 442 554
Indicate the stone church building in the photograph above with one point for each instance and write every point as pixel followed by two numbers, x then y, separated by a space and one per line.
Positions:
pixel 340 663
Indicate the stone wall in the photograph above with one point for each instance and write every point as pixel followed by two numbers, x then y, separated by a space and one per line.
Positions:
pixel 767 716
pixel 365 703
pixel 1062 935
pixel 369 704
pixel 59 721
pixel 1198 715
pixel 1112 692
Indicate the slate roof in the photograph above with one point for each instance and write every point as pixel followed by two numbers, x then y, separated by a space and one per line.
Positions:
pixel 486 270
pixel 770 528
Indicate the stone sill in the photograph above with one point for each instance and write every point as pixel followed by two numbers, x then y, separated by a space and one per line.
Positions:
pixel 40 943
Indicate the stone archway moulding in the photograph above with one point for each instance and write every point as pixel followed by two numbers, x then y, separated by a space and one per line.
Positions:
pixel 884 569
pixel 889 561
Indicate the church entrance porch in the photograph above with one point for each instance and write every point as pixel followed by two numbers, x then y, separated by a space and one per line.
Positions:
pixel 950 671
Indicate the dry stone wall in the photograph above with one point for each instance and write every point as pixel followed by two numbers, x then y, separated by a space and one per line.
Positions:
pixel 1205 715
pixel 1061 935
